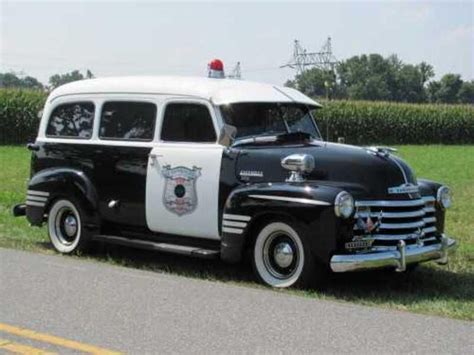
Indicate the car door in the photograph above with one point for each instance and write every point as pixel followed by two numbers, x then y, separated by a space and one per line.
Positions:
pixel 182 184
pixel 125 139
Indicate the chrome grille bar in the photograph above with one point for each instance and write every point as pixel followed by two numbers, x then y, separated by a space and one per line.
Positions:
pixel 419 213
pixel 397 219
pixel 389 203
pixel 398 236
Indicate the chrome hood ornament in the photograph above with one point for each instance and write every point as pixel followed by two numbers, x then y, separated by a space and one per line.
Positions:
pixel 381 151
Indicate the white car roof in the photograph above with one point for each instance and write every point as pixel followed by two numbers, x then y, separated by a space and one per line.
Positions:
pixel 218 91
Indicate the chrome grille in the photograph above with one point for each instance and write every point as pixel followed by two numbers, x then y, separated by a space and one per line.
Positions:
pixel 397 220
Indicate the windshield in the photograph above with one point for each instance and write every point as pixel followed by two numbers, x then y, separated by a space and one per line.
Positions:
pixel 256 119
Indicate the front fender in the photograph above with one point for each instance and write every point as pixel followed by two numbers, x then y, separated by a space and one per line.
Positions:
pixel 54 182
pixel 309 204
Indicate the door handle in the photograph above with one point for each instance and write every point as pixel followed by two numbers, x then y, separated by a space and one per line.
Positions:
pixel 153 158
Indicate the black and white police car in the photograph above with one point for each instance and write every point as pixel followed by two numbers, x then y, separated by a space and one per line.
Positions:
pixel 215 167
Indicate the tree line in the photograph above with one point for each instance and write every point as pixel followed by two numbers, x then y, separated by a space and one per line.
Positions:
pixel 375 78
pixel 365 77
pixel 12 80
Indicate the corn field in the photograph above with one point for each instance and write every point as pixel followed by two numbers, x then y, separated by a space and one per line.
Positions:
pixel 359 122
pixel 363 122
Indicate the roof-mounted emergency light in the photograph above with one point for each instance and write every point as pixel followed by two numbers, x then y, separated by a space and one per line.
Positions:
pixel 216 69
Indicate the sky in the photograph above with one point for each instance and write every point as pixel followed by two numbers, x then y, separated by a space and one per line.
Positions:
pixel 114 38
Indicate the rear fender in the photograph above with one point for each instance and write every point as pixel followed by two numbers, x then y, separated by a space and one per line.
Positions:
pixel 47 185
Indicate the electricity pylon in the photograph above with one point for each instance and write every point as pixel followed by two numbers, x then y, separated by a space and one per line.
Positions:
pixel 236 73
pixel 303 60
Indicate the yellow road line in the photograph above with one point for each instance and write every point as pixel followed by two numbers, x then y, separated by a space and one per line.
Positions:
pixel 21 349
pixel 51 339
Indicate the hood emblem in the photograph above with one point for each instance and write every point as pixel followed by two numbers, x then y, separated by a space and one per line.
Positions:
pixel 251 173
pixel 407 188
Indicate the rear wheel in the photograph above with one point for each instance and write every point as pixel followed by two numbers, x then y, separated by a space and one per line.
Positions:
pixel 66 227
pixel 281 256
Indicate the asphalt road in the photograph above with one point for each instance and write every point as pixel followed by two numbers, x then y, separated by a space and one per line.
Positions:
pixel 135 311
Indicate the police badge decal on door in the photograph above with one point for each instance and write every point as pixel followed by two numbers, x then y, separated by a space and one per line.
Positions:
pixel 180 195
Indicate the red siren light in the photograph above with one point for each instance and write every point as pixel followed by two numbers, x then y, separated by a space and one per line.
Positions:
pixel 216 69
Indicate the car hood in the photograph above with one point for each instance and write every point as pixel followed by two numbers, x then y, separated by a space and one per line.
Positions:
pixel 355 169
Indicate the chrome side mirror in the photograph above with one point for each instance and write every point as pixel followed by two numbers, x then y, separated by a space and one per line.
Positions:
pixel 298 164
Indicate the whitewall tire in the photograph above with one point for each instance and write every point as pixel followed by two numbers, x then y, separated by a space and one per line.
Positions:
pixel 66 227
pixel 280 257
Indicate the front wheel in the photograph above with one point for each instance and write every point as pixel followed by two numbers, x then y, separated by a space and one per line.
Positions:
pixel 66 227
pixel 281 256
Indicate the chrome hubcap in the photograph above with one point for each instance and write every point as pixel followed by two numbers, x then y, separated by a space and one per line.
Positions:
pixel 70 226
pixel 283 255
pixel 280 256
pixel 67 226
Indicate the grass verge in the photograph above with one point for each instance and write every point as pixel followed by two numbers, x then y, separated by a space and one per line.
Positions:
pixel 445 291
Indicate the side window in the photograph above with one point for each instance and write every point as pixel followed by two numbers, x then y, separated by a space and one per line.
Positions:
pixel 128 120
pixel 74 120
pixel 186 122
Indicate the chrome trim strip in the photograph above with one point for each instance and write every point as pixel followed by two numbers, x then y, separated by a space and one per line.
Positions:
pixel 418 213
pixel 38 193
pixel 399 167
pixel 232 230
pixel 429 209
pixel 429 220
pixel 306 201
pixel 36 198
pixel 234 224
pixel 394 258
pixel 34 203
pixel 237 217
pixel 391 203
pixel 428 198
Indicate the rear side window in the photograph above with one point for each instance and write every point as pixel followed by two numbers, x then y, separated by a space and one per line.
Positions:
pixel 187 123
pixel 74 120
pixel 128 121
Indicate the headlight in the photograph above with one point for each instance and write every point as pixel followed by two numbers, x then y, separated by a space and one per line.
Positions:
pixel 444 197
pixel 344 204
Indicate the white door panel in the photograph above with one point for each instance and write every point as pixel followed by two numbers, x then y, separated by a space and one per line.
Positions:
pixel 182 189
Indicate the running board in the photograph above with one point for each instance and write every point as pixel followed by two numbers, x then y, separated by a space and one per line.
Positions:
pixel 164 247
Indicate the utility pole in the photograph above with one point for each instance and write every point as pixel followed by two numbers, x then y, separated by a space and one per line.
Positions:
pixel 303 60
pixel 236 73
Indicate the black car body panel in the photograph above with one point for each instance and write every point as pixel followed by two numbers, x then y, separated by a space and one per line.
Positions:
pixel 99 173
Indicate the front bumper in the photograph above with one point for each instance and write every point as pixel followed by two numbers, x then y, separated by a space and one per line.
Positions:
pixel 398 259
